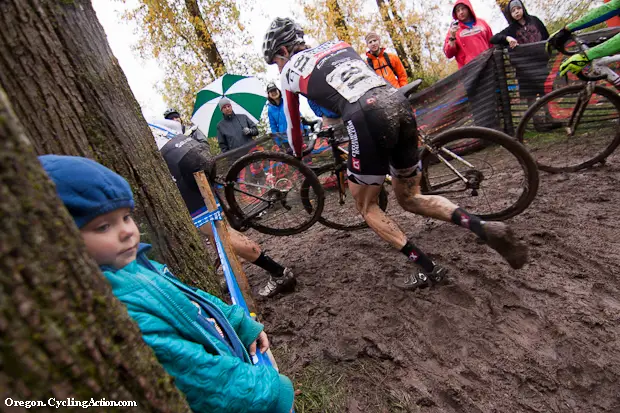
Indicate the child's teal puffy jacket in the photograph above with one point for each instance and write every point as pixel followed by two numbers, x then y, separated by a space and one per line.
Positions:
pixel 215 374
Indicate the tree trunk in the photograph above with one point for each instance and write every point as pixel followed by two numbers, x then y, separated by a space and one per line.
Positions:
pixel 69 91
pixel 207 44
pixel 502 6
pixel 398 45
pixel 339 20
pixel 411 39
pixel 62 332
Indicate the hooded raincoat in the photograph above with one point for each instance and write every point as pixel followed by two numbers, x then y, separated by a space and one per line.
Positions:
pixel 470 41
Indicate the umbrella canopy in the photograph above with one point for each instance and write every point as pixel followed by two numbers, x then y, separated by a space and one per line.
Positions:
pixel 247 95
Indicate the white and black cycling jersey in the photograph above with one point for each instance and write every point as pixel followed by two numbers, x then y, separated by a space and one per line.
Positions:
pixel 332 74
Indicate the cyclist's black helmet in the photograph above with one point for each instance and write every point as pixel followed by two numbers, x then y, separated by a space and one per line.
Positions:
pixel 170 112
pixel 281 32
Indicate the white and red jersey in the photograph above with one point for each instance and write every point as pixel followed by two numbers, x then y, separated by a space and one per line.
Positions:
pixel 332 74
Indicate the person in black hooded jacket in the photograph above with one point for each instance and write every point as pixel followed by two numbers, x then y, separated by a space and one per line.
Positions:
pixel 524 29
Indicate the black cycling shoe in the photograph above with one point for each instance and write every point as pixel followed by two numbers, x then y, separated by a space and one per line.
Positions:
pixel 413 281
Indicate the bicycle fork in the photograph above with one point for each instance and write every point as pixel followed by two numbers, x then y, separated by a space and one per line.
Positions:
pixel 340 156
pixel 582 102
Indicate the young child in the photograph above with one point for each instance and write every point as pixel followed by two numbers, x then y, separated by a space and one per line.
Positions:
pixel 524 28
pixel 201 341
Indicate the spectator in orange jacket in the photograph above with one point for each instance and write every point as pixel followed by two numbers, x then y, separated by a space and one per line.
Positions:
pixel 388 66
pixel 468 36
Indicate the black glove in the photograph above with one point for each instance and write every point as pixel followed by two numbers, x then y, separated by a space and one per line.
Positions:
pixel 558 39
pixel 247 131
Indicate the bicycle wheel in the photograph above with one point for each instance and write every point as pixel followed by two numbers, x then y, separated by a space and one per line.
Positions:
pixel 544 129
pixel 336 214
pixel 264 190
pixel 498 177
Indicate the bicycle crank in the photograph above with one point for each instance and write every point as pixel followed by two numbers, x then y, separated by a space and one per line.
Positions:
pixel 474 179
pixel 277 196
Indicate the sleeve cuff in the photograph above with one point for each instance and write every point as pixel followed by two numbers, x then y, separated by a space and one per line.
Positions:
pixel 286 396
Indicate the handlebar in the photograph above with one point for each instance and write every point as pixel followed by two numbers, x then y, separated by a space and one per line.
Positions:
pixel 582 49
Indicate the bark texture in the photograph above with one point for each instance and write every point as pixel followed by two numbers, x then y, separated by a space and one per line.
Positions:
pixel 62 332
pixel 208 46
pixel 71 95
pixel 396 40
pixel 339 20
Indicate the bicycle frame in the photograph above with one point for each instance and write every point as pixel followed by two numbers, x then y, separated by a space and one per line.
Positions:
pixel 241 223
pixel 341 155
pixel 600 67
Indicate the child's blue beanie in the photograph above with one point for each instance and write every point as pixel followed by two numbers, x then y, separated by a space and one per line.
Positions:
pixel 87 188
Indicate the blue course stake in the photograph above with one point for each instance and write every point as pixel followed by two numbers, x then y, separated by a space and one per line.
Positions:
pixel 231 282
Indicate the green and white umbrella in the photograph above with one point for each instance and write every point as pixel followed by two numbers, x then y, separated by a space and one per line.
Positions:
pixel 247 95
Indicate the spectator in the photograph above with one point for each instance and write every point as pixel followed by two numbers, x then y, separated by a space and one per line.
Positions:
pixel 524 29
pixel 388 66
pixel 205 344
pixel 194 132
pixel 468 36
pixel 277 118
pixel 275 109
pixel 233 131
pixel 185 157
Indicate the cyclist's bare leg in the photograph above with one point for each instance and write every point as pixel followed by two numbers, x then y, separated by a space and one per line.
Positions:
pixel 366 199
pixel 409 196
pixel 281 279
pixel 496 234
pixel 242 245
pixel 367 203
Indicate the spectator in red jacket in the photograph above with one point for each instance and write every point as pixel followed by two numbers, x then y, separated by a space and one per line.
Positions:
pixel 388 66
pixel 468 35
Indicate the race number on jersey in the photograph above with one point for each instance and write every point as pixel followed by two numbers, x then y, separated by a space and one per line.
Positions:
pixel 352 79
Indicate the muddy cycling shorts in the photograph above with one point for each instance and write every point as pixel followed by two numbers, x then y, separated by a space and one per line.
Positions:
pixel 383 137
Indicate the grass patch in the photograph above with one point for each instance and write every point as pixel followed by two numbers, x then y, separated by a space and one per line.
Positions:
pixel 322 390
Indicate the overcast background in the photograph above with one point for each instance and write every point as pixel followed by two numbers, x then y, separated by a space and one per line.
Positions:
pixel 144 75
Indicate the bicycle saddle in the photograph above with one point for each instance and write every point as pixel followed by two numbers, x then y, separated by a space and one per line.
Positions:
pixel 410 88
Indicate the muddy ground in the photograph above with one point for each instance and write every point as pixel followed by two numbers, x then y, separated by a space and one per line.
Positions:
pixel 545 338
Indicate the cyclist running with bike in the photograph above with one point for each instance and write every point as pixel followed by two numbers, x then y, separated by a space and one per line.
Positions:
pixel 577 62
pixel 383 139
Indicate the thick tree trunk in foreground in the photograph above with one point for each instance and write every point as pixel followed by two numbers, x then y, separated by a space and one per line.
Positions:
pixel 62 332
pixel 71 95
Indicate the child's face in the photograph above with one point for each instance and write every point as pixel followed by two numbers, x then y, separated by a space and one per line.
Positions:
pixel 516 12
pixel 112 239
pixel 462 13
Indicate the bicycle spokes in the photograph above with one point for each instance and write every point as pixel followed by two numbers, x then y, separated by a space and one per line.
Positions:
pixel 481 177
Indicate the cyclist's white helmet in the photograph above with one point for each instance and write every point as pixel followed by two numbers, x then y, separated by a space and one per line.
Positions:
pixel 281 32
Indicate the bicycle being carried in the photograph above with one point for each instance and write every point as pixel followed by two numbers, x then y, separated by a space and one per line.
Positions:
pixel 483 170
pixel 585 119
